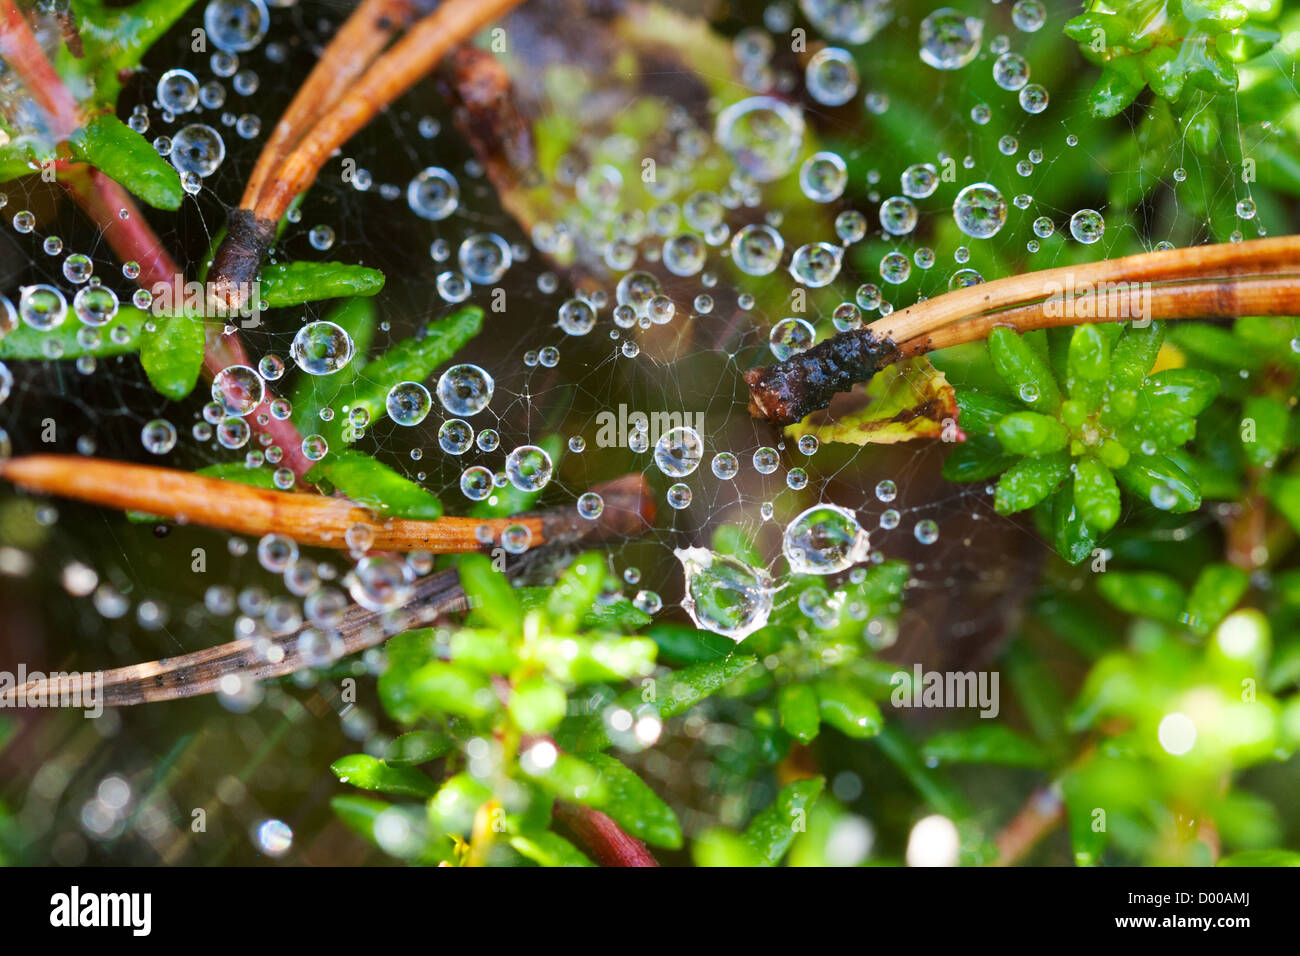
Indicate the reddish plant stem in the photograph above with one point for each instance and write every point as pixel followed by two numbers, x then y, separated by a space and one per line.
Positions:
pixel 22 52
pixel 605 838
pixel 132 239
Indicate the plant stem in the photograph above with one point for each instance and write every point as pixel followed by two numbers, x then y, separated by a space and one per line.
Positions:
pixel 22 52
pixel 1041 813
pixel 251 229
pixel 309 519
pixel 1254 277
pixel 353 48
pixel 604 837
pixel 1225 298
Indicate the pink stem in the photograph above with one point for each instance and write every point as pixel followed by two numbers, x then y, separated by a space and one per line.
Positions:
pixel 104 201
pixel 21 51
pixel 605 838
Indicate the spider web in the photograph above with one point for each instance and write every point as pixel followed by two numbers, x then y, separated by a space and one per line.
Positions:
pixel 143 601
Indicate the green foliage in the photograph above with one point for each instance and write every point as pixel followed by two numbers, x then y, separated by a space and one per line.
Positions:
pixel 374 485
pixel 287 284
pixel 122 154
pixel 1101 424
pixel 172 354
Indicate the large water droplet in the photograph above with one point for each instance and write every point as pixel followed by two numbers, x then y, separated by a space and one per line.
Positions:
pixel 723 594
pixel 824 539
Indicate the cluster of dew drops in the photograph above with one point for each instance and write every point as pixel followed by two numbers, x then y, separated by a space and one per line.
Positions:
pixel 761 136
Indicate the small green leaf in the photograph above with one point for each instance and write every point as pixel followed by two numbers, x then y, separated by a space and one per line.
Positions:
pixel 771 832
pixel 1284 492
pixel 358 813
pixel 1023 370
pixel 1218 589
pixel 1073 539
pixel 376 486
pixel 1187 391
pixel 536 705
pixel 1157 479
pixel 719 847
pixel 172 355
pixel 72 340
pixel 1030 481
pixel 549 849
pixel 1029 433
pixel 293 283
pixel 987 743
pixel 572 778
pixel 634 806
pixel 576 591
pixel 442 688
pixel 367 773
pixel 1144 593
pixel 417 747
pixel 800 711
pixel 494 601
pixel 848 710
pixel 411 360
pixel 129 159
pixel 1096 494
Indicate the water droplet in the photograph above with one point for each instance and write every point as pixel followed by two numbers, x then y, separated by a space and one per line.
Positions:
pixel 1087 226
pixel 926 531
pixel 1011 71
pixel 723 594
pixel 408 403
pixel 236 26
pixel 832 76
pixel 725 465
pixel 762 135
pixel 816 264
pixel 239 389
pixel 197 149
pixel 980 211
pixel 321 348
pixel 484 258
pixel 465 390
pixel 823 176
pixel 950 39
pixel 679 451
pixel 824 539
pixel 920 180
pixel 455 436
pixel 178 91
pixel 791 336
pixel 158 436
pixel 433 194
pixel 528 468
pixel 756 249
pixel 766 460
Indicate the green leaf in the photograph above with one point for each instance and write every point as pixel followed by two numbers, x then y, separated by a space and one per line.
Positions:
pixel 848 710
pixel 572 778
pixel 683 644
pixel 358 813
pixel 1135 353
pixel 771 832
pixel 549 849
pixel 293 283
pixel 417 747
pixel 442 688
pixel 172 355
pixel 367 773
pixel 114 41
pixel 1096 494
pixel 800 711
pixel 1120 83
pixel 492 598
pixel 619 615
pixel 1073 539
pixel 1264 424
pixel 1186 391
pixel 72 340
pixel 987 743
pixel 1218 589
pixel 375 486
pixel 1144 593
pixel 634 806
pixel 129 159
pixel 1023 370
pixel 674 694
pixel 576 591
pixel 536 705
pixel 1030 481
pixel 719 847
pixel 1284 492
pixel 411 360
pixel 1157 479
pixel 1029 433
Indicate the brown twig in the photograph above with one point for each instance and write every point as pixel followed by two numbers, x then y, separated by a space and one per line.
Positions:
pixel 1223 279
pixel 306 518
pixel 604 837
pixel 1271 295
pixel 251 229
pixel 354 47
